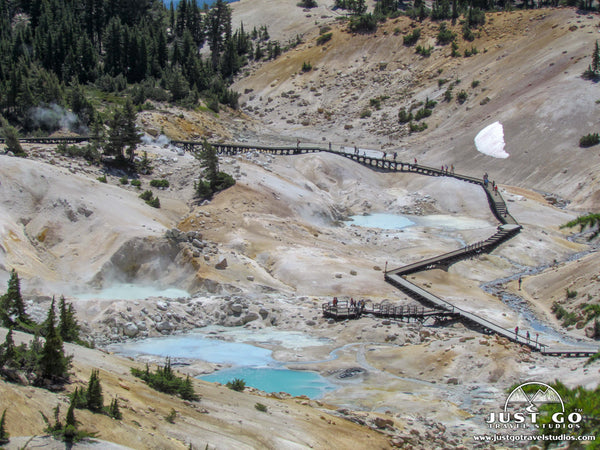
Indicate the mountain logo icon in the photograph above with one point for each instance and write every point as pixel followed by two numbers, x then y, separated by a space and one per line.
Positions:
pixel 531 395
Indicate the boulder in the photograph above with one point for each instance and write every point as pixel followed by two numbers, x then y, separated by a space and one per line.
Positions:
pixel 165 325
pixel 162 305
pixel 383 423
pixel 251 316
pixel 263 313
pixel 452 381
pixel 130 329
pixel 221 265
pixel 236 308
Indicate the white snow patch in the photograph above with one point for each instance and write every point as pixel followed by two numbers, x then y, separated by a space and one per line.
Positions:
pixel 490 141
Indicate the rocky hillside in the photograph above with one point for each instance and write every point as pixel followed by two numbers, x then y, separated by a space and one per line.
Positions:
pixel 526 74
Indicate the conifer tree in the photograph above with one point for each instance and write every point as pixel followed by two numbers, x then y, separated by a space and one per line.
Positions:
pixel 114 410
pixel 12 307
pixel 210 161
pixel 596 59
pixel 94 397
pixel 187 390
pixel 70 431
pixel 7 350
pixel 67 325
pixel 4 436
pixel 53 363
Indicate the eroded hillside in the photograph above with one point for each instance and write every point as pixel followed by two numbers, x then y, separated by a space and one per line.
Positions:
pixel 526 74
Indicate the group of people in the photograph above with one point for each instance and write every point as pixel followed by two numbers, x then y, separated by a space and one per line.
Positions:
pixel 358 305
pixel 527 335
pixel 445 168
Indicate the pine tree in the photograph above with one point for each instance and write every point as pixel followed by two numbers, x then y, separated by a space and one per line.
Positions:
pixel 12 140
pixel 114 410
pixel 4 436
pixel 131 135
pixel 67 326
pixel 70 431
pixel 186 391
pixel 12 308
pixel 7 350
pixel 94 397
pixel 210 161
pixel 596 59
pixel 54 365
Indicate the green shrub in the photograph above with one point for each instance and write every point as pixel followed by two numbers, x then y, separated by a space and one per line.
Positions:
pixel 365 113
pixel 571 294
pixel 430 104
pixel 415 128
pixel 260 407
pixel 424 51
pixel 306 66
pixel 568 318
pixel 136 183
pixel 237 384
pixel 102 179
pixel 412 38
pixel 462 96
pixel 442 81
pixel 154 202
pixel 165 380
pixel 124 180
pixel 375 103
pixel 404 117
pixel 364 23
pixel 470 52
pixel 448 94
pixel 455 53
pixel 475 83
pixel 422 113
pixel 88 152
pixel 146 195
pixel 589 140
pixel 445 36
pixel 468 34
pixel 171 416
pixel 161 183
pixel 324 38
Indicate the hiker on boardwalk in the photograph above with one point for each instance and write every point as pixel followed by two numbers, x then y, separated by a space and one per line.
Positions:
pixel 528 336
pixel 395 156
pixel 520 281
pixel 335 301
pixel 384 155
pixel 355 150
pixel 516 332
pixel 297 144
pixel 415 160
pixel 329 145
pixel 452 169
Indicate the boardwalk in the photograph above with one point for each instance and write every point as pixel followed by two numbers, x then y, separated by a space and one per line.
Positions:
pixel 439 308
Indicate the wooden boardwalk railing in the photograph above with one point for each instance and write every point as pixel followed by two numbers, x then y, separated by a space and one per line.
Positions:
pixel 441 308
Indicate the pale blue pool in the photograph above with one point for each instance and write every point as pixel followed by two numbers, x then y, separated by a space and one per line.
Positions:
pixel 254 365
pixel 269 379
pixel 381 220
pixel 128 291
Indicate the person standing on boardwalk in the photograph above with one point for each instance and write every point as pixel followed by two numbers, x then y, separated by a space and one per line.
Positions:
pixel 415 160
pixel 452 168
pixel 520 281
pixel 528 336
pixel 395 156
pixel 516 332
